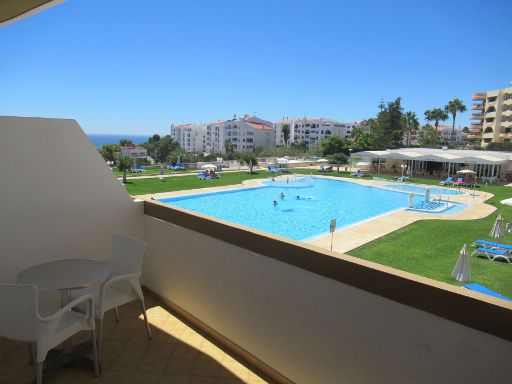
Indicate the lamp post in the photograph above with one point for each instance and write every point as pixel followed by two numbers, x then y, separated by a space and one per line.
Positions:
pixel 350 158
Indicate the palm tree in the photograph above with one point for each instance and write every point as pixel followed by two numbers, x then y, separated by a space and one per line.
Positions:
pixel 228 146
pixel 124 163
pixel 436 115
pixel 286 133
pixel 454 106
pixel 428 135
pixel 411 125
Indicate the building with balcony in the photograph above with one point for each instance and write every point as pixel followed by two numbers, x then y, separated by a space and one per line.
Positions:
pixel 191 137
pixel 135 152
pixel 492 117
pixel 245 134
pixel 311 130
pixel 445 134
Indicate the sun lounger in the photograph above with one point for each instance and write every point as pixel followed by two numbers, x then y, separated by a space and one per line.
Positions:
pixel 328 169
pixel 492 244
pixel 459 182
pixel 486 291
pixel 321 169
pixel 203 176
pixel 273 169
pixel 356 173
pixel 493 254
pixel 448 180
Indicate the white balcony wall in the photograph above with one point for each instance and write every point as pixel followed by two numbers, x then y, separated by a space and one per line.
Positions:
pixel 310 328
pixel 58 199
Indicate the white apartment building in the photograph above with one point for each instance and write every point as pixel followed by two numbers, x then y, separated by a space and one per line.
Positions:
pixel 310 130
pixel 492 112
pixel 245 134
pixel 445 134
pixel 134 152
pixel 192 137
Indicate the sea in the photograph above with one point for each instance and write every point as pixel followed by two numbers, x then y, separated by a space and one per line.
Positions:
pixel 98 139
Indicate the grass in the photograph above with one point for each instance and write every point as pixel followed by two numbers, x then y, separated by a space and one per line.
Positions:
pixel 428 248
pixel 150 171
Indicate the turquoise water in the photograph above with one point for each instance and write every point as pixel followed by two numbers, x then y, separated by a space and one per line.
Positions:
pixel 298 219
pixel 416 189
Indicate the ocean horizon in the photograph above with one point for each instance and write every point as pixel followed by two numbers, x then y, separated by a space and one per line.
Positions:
pixel 99 139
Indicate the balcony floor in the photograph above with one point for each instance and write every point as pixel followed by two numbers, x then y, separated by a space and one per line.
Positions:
pixel 176 354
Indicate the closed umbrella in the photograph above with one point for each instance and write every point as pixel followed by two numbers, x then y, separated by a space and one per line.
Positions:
pixel 498 228
pixel 461 272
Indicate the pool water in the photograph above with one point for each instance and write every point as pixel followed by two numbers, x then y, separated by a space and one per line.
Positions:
pixel 298 219
pixel 417 189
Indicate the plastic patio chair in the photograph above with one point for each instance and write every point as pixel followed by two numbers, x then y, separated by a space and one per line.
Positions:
pixel 22 321
pixel 123 286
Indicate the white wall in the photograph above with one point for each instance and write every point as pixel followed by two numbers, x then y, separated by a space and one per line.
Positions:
pixel 310 328
pixel 58 199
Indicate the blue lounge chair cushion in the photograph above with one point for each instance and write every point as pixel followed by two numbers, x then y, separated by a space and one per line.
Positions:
pixel 494 244
pixel 486 291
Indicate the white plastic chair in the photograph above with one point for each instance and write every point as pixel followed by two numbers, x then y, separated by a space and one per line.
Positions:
pixel 22 321
pixel 123 286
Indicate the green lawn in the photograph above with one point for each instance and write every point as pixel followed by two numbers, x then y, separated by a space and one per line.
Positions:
pixel 151 171
pixel 428 248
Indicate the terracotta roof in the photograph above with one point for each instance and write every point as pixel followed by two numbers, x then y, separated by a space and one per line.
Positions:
pixel 263 127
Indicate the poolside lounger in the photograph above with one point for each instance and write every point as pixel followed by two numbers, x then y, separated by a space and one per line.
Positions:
pixel 493 254
pixel 459 182
pixel 448 180
pixel 492 244
pixel 321 169
pixel 356 173
pixel 328 169
pixel 202 176
pixel 486 291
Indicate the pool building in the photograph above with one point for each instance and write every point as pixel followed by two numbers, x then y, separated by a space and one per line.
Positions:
pixel 490 166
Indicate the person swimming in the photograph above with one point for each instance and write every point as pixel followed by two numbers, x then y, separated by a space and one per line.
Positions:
pixel 282 196
pixel 275 203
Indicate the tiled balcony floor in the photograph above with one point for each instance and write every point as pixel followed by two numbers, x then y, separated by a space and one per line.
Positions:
pixel 176 354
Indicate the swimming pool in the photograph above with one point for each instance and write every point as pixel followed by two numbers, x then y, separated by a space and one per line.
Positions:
pixel 298 219
pixel 421 190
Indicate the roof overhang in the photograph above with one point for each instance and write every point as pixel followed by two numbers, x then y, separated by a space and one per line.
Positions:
pixel 14 10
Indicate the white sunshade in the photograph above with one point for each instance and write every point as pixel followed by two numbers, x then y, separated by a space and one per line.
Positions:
pixel 461 272
pixel 322 161
pixel 466 171
pixel 497 228
pixel 209 166
pixel 362 164
pixel 282 160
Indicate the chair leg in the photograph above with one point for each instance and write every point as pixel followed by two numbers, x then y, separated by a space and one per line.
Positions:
pixel 148 330
pixel 95 353
pixel 99 327
pixel 39 379
pixel 30 354
pixel 117 314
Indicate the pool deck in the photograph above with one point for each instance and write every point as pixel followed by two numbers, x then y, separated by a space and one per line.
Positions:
pixel 356 235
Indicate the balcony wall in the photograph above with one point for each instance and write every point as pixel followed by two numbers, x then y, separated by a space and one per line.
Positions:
pixel 319 319
pixel 58 198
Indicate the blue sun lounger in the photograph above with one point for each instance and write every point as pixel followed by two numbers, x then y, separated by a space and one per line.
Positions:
pixel 493 254
pixel 486 291
pixel 448 180
pixel 492 244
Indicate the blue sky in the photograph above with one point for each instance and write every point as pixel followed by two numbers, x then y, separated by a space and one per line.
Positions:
pixel 119 68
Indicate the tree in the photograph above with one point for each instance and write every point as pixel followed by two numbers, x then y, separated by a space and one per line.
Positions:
pixel 229 146
pixel 286 133
pixel 315 149
pixel 465 130
pixel 340 158
pixel 411 125
pixel 454 106
pixel 428 135
pixel 249 159
pixel 159 148
pixel 154 138
pixel 436 115
pixel 361 139
pixel 109 151
pixel 333 144
pixel 124 163
pixel 387 128
pixel 124 142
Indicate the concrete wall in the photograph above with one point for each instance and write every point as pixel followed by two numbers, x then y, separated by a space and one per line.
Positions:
pixel 58 199
pixel 310 328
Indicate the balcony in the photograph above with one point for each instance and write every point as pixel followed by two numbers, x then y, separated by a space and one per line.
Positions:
pixel 489 115
pixel 506 135
pixel 476 126
pixel 478 116
pixel 474 136
pixel 478 106
pixel 479 96
pixel 290 312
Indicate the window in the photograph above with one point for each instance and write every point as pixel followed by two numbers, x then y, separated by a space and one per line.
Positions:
pixel 250 140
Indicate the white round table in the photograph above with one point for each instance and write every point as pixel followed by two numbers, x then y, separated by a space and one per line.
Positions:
pixel 66 275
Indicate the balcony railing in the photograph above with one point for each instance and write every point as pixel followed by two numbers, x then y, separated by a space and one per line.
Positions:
pixel 476 126
pixel 478 96
pixel 477 116
pixel 478 106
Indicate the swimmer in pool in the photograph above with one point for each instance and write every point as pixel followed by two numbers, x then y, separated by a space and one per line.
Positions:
pixel 275 203
pixel 281 195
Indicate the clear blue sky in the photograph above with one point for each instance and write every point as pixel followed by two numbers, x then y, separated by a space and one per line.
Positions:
pixel 134 67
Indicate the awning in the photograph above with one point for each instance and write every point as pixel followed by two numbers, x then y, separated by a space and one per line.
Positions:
pixel 14 10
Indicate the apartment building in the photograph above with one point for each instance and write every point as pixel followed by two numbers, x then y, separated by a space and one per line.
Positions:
pixel 492 117
pixel 192 137
pixel 310 130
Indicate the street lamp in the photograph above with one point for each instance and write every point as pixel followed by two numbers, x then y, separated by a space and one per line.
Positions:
pixel 350 158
